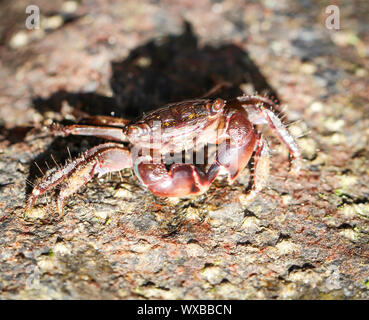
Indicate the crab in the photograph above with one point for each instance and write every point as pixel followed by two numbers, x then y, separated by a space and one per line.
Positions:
pixel 143 144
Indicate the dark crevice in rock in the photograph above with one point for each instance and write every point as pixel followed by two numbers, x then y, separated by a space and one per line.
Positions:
pixel 304 267
pixel 349 199
pixel 149 284
pixel 248 213
pixel 243 243
pixel 345 226
pixel 283 236
pixel 224 280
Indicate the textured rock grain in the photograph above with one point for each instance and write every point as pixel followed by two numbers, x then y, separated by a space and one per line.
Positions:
pixel 303 237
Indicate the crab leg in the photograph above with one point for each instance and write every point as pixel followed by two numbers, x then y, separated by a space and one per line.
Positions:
pixel 109 133
pixel 257 100
pixel 262 111
pixel 261 167
pixel 104 158
pixel 105 121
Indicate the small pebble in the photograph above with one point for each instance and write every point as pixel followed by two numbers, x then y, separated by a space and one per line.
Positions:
pixel 18 40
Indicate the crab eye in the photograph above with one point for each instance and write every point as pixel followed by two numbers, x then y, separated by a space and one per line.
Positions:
pixel 135 131
pixel 217 105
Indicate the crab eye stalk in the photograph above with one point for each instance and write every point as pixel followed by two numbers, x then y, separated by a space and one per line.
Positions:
pixel 218 105
pixel 135 131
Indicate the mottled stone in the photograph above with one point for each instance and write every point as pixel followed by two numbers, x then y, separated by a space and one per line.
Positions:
pixel 303 237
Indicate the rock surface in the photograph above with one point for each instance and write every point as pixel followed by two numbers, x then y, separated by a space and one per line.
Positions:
pixel 304 237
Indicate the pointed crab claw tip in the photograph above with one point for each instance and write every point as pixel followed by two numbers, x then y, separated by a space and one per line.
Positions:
pixel 30 202
pixel 60 205
pixel 27 211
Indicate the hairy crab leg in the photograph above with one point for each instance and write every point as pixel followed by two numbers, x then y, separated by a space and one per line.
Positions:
pixel 104 158
pixel 255 100
pixel 262 111
pixel 105 121
pixel 261 167
pixel 220 86
pixel 109 133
